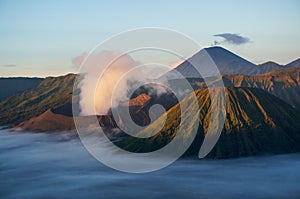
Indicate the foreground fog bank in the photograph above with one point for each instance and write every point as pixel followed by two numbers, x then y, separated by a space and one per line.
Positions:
pixel 57 166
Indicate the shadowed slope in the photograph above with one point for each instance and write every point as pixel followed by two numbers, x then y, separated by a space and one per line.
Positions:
pixel 13 85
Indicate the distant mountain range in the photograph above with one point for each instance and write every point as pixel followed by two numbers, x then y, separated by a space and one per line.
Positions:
pixel 227 63
pixel 13 85
pixel 294 64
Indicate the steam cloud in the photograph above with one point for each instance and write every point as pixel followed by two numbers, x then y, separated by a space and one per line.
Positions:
pixel 230 38
pixel 114 80
pixel 105 84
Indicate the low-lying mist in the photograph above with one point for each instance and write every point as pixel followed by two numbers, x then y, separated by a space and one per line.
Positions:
pixel 57 166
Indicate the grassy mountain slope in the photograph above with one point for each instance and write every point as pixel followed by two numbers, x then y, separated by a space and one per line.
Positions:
pixel 256 123
pixel 52 92
pixel 283 83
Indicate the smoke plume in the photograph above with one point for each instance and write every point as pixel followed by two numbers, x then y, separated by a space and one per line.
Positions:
pixel 113 85
pixel 97 87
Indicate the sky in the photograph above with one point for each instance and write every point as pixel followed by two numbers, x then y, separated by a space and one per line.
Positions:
pixel 40 38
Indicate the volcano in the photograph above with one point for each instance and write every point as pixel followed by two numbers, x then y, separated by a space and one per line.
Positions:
pixel 256 123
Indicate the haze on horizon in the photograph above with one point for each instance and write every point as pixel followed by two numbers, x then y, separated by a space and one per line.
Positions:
pixel 40 38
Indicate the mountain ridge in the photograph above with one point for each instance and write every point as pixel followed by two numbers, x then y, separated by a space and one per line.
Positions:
pixel 52 92
pixel 251 128
pixel 55 92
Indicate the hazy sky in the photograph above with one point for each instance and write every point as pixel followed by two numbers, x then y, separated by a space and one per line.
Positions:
pixel 40 38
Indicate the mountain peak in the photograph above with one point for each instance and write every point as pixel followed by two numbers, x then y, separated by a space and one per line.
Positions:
pixel 216 48
pixel 221 55
pixel 294 64
pixel 269 63
pixel 226 61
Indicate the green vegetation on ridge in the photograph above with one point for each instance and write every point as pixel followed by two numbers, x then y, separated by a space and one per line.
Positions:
pixel 52 92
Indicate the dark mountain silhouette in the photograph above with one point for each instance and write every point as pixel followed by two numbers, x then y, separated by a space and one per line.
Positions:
pixel 262 68
pixel 295 64
pixel 226 62
pixel 13 85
